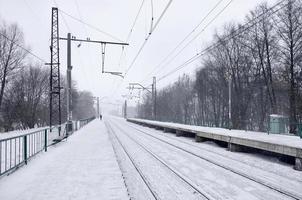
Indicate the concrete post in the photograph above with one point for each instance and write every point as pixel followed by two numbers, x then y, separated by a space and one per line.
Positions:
pixel 199 139
pixel 298 164
pixel 179 133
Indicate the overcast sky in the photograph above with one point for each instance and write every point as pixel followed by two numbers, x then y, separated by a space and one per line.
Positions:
pixel 116 18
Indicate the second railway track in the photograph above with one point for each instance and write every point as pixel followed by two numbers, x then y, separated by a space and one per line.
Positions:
pixel 271 187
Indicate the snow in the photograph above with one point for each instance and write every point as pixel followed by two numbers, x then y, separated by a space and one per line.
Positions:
pixel 15 133
pixel 83 167
pixel 92 164
pixel 213 180
pixel 285 140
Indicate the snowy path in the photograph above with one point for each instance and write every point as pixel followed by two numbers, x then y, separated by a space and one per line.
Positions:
pixel 84 167
pixel 216 182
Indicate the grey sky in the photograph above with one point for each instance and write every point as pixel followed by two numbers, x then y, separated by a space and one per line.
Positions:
pixel 116 18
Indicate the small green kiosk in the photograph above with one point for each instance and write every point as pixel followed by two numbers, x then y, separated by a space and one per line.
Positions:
pixel 278 124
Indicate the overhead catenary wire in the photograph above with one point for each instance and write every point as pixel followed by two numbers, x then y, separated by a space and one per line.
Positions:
pixel 90 26
pixel 135 20
pixel 183 40
pixel 124 49
pixel 147 38
pixel 64 20
pixel 131 30
pixel 142 46
pixel 86 33
pixel 239 31
pixel 206 26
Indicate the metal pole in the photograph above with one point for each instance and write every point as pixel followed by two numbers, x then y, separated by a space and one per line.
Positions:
pixel 230 102
pixel 154 97
pixel 69 68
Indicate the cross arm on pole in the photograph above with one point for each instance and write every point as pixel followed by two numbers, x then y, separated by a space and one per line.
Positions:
pixel 95 41
pixel 131 86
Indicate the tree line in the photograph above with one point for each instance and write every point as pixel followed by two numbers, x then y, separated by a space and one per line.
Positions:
pixel 24 86
pixel 264 64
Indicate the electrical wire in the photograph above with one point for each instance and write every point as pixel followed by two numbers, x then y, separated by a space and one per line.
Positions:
pixel 131 30
pixel 90 26
pixel 183 40
pixel 142 46
pixel 135 20
pixel 28 51
pixel 86 32
pixel 231 36
pixel 147 38
pixel 64 20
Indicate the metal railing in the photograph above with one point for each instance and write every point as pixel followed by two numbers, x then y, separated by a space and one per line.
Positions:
pixel 83 122
pixel 18 150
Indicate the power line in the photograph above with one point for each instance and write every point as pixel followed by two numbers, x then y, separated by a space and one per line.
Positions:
pixel 129 35
pixel 143 45
pixel 28 51
pixel 64 20
pixel 182 41
pixel 86 32
pixel 230 36
pixel 206 26
pixel 91 26
pixel 131 29
pixel 147 38
pixel 135 20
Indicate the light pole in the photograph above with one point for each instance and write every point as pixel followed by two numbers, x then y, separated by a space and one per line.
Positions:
pixel 69 68
pixel 230 101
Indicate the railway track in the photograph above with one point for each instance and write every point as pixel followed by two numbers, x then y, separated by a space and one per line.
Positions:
pixel 279 190
pixel 213 152
pixel 197 190
pixel 109 128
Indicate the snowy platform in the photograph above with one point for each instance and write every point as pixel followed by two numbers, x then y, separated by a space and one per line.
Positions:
pixel 236 139
pixel 83 167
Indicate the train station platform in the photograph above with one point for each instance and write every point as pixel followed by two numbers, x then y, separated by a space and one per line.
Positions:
pixel 83 167
pixel 237 140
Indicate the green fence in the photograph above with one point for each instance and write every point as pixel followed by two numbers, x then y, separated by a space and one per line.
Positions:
pixel 18 150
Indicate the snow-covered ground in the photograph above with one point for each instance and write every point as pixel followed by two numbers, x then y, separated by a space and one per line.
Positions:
pixel 126 160
pixel 84 167
pixel 213 179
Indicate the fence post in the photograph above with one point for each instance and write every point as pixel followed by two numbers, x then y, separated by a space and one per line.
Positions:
pixel 25 148
pixel 45 140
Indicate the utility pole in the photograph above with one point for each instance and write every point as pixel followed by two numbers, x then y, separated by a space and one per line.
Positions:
pixel 230 102
pixel 54 81
pixel 69 98
pixel 154 97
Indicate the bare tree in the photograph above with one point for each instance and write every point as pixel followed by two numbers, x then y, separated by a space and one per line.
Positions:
pixel 11 55
pixel 289 29
pixel 24 101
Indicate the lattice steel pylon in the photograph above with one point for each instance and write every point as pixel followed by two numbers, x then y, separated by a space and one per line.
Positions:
pixel 55 86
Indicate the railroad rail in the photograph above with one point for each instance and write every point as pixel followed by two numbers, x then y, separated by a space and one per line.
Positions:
pixel 244 175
